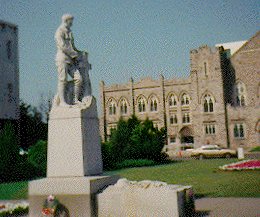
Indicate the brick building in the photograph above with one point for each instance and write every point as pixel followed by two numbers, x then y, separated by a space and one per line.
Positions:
pixel 217 104
pixel 9 73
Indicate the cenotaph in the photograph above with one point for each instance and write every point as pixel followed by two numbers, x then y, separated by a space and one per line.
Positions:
pixel 74 168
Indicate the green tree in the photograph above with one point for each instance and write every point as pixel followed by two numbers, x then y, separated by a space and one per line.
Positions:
pixel 37 156
pixel 134 140
pixel 9 153
pixel 147 142
pixel 32 127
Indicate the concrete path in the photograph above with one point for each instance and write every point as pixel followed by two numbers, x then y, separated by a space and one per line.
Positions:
pixel 228 207
pixel 219 207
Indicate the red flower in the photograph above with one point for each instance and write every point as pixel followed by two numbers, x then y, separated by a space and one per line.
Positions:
pixel 47 211
pixel 245 165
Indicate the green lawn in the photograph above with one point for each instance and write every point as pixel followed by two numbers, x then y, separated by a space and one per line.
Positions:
pixel 14 191
pixel 203 175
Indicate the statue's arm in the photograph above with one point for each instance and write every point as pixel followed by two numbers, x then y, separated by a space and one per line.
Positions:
pixel 62 45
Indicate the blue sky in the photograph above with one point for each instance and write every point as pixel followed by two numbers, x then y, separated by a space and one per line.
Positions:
pixel 124 38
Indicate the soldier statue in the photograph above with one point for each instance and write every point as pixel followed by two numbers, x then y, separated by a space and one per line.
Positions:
pixel 72 62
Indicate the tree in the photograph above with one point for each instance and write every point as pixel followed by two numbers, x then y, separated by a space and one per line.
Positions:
pixel 32 127
pixel 134 140
pixel 147 142
pixel 37 156
pixel 9 153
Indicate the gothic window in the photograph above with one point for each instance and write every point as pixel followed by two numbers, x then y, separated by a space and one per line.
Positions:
pixel 172 139
pixel 153 104
pixel 172 100
pixel 186 118
pixel 210 129
pixel 112 107
pixel 141 104
pixel 205 69
pixel 123 107
pixel 240 94
pixel 239 131
pixel 173 119
pixel 208 103
pixel 185 99
pixel 9 49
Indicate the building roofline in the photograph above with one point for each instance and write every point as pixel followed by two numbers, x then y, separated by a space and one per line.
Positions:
pixel 234 54
pixel 8 23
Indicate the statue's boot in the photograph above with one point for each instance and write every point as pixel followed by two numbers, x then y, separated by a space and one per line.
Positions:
pixel 77 88
pixel 61 93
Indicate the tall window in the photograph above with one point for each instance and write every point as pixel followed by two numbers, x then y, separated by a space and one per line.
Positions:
pixel 172 100
pixel 186 118
pixel 141 104
pixel 205 69
pixel 208 103
pixel 153 104
pixel 123 107
pixel 240 94
pixel 185 99
pixel 172 139
pixel 9 49
pixel 173 119
pixel 239 131
pixel 112 107
pixel 210 129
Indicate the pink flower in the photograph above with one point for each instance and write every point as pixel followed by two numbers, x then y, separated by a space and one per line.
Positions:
pixel 51 198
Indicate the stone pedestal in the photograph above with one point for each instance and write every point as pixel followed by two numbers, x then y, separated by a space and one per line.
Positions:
pixel 145 198
pixel 74 162
pixel 74 142
pixel 77 194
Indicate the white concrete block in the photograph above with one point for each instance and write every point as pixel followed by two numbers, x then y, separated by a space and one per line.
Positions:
pixel 141 199
pixel 74 147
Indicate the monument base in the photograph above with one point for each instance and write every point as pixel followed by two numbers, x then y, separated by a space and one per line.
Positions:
pixel 77 194
pixel 145 198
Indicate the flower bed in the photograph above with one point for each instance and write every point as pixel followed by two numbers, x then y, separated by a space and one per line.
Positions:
pixel 242 165
pixel 14 209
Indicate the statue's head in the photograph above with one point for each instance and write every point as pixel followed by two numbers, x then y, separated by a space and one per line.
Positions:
pixel 67 19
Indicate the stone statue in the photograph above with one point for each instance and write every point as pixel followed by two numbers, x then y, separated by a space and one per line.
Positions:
pixel 72 62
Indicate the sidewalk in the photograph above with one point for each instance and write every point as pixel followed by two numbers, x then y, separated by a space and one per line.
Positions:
pixel 228 207
pixel 220 207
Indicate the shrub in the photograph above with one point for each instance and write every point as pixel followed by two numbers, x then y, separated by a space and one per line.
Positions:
pixel 133 140
pixel 255 149
pixel 37 157
pixel 108 156
pixel 135 163
pixel 9 153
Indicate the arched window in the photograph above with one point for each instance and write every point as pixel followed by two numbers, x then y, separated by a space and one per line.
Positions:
pixel 173 119
pixel 210 129
pixel 240 94
pixel 172 100
pixel 185 99
pixel 208 103
pixel 186 118
pixel 153 104
pixel 141 104
pixel 239 131
pixel 112 107
pixel 123 107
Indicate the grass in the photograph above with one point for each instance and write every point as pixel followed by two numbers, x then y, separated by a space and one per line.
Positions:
pixel 14 191
pixel 255 149
pixel 203 175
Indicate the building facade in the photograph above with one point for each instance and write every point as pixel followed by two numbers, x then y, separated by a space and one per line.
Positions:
pixel 9 73
pixel 217 104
